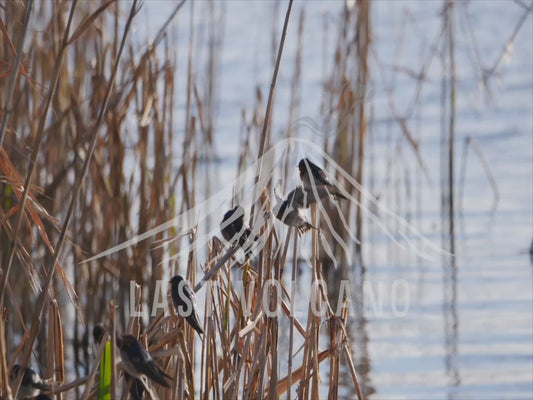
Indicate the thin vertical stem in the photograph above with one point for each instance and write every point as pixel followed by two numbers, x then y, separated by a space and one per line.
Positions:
pixel 291 329
pixel 273 82
pixel 315 326
pixel 14 76
pixel 113 347
pixel 451 148
pixel 268 111
pixel 363 44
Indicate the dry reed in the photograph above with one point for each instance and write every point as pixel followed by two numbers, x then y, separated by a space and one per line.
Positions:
pixel 117 178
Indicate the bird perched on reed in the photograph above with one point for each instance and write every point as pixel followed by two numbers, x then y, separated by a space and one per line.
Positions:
pixel 290 210
pixel 31 384
pixel 235 232
pixel 136 387
pixel 138 362
pixel 315 179
pixel 184 302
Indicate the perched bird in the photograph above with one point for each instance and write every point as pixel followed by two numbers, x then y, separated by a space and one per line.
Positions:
pixel 290 210
pixel 138 362
pixel 31 384
pixel 233 230
pixel 314 177
pixel 42 397
pixel 184 302
pixel 232 224
pixel 98 333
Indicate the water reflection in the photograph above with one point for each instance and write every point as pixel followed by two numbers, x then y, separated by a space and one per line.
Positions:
pixel 451 323
pixel 356 328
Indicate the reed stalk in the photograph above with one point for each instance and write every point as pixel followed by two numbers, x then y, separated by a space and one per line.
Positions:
pixel 15 73
pixel 270 102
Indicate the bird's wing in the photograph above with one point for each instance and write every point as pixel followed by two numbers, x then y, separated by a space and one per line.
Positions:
pixel 194 320
pixel 155 373
pixel 143 362
pixel 295 197
pixel 138 355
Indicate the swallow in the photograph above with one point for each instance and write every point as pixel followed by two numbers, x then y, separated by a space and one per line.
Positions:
pixel 31 384
pixel 98 333
pixel 314 177
pixel 184 302
pixel 232 224
pixel 233 229
pixel 138 362
pixel 290 210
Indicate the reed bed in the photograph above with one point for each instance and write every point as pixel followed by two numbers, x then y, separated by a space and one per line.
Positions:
pixel 93 154
pixel 88 149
